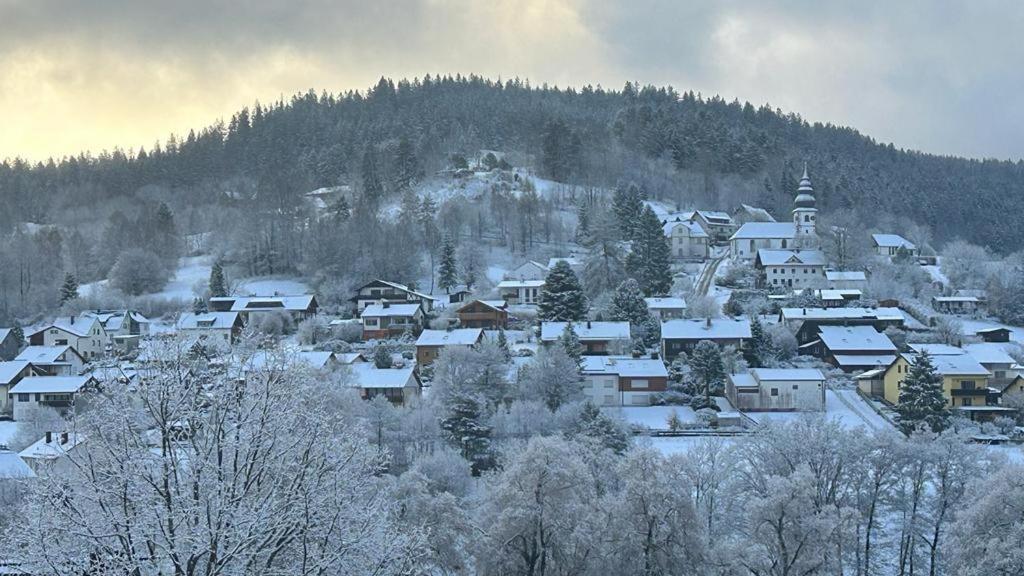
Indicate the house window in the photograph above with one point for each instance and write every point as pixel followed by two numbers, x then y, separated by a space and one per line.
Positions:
pixel 796 387
pixel 23 397
pixel 638 384
pixel 783 242
pixel 967 384
pixel 775 391
pixel 967 402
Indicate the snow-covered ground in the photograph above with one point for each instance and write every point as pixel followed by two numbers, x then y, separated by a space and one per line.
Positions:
pixel 193 271
pixel 845 406
pixel 272 286
pixel 653 417
pixel 669 445
pixel 8 430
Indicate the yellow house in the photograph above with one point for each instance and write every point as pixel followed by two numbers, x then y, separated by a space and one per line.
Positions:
pixel 964 380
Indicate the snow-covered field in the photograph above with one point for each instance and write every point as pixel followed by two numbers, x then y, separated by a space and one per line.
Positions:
pixel 844 406
pixel 653 417
pixel 272 286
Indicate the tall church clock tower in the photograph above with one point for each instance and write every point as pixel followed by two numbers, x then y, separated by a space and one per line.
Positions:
pixel 805 215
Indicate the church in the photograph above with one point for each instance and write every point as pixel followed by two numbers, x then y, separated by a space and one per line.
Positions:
pixel 799 233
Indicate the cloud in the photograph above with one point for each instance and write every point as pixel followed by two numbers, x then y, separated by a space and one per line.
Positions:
pixel 94 75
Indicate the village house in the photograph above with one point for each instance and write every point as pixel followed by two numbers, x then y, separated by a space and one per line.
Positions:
pixel 251 307
pixel 48 455
pixel 520 292
pixel 666 308
pixel 852 348
pixel 124 327
pixel 998 334
pixel 687 240
pixel 57 392
pixel 486 314
pixel 805 321
pixel 529 270
pixel 996 359
pixel 836 298
pixel 14 474
pixel 575 263
pixel 747 213
pixel 801 232
pixel 777 389
pixel 890 245
pixel 956 304
pixel 431 342
pixel 53 360
pixel 683 335
pixel 12 372
pixel 791 268
pixel 222 327
pixel 622 380
pixel 964 383
pixel 379 292
pixel 845 279
pixel 398 385
pixel 84 333
pixel 9 344
pixel 719 226
pixel 597 338
pixel 387 320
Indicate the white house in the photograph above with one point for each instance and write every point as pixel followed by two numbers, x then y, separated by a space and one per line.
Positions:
pixel 47 456
pixel 598 338
pixel 431 342
pixel 12 372
pixel 57 392
pixel 845 279
pixel 687 240
pixel 622 380
pixel 667 308
pixel 216 326
pixel 890 244
pixel 529 270
pixel 389 320
pixel 382 291
pixel 683 335
pixel 54 360
pixel 297 307
pixel 520 292
pixel 84 333
pixel 777 389
pixel 795 269
pixel 399 385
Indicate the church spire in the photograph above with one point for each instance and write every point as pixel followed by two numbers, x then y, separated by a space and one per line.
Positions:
pixel 805 192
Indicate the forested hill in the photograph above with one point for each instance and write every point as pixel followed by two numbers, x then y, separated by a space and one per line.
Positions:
pixel 689 149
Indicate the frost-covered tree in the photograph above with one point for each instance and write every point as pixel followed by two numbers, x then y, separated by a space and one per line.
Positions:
pixel 603 268
pixel 628 304
pixel 570 343
pixel 503 345
pixel 448 271
pixel 552 377
pixel 465 427
pixel 707 367
pixel 562 298
pixel 382 357
pixel 138 271
pixel 69 289
pixel 593 424
pixel 921 400
pixel 758 350
pixel 650 259
pixel 988 535
pixel 627 203
pixel 218 284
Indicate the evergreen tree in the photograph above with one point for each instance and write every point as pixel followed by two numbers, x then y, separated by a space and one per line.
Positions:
pixel 562 298
pixel 19 334
pixel 759 348
pixel 342 211
pixel 627 203
pixel 199 306
pixel 68 290
pixel 921 399
pixel 407 165
pixel 594 424
pixel 603 269
pixel 650 259
pixel 570 342
pixel 373 187
pixel 464 427
pixel 628 304
pixel 650 331
pixel 707 366
pixel 382 357
pixel 506 350
pixel 447 273
pixel 582 222
pixel 218 285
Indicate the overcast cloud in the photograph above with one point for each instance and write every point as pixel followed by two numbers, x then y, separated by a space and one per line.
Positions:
pixel 942 77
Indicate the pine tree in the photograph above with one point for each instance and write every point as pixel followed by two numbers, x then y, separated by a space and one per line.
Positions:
pixel 759 348
pixel 407 165
pixel 447 273
pixel 19 334
pixel 650 331
pixel 562 298
pixel 570 342
pixel 650 259
pixel 342 211
pixel 506 350
pixel 627 203
pixel 382 357
pixel 68 290
pixel 628 304
pixel 706 363
pixel 582 222
pixel 373 188
pixel 921 399
pixel 594 424
pixel 218 285
pixel 465 429
pixel 199 306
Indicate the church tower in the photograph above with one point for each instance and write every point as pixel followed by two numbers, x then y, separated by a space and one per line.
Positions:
pixel 804 212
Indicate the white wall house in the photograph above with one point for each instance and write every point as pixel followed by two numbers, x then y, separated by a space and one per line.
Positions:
pixel 777 389
pixel 520 292
pixel 666 308
pixel 54 360
pixel 622 380
pixel 687 240
pixel 214 326
pixel 890 244
pixel 57 392
pixel 83 333
pixel 846 279
pixel 795 269
pixel 754 236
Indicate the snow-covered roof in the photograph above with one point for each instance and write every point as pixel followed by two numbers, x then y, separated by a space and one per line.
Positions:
pixel 350 357
pixel 871 374
pixel 12 467
pixel 572 261
pixel 989 353
pixel 845 275
pixel 855 338
pixel 367 375
pixel 55 448
pixel 695 231
pixel 4 332
pixel 697 329
pixel 520 284
pixel 973 299
pixel 45 354
pixel 790 314
pixel 892 241
pixel 625 366
pixel 113 320
pixel 758 230
pixel 50 384
pixel 404 288
pixel 715 216
pixel 744 380
pixel 76 325
pixel 265 303
pixel 458 337
pixel 667 303
pixel 954 365
pixel 791 257
pixel 756 212
pixel 390 310
pixel 786 374
pixel 880 360
pixel 936 349
pixel 9 370
pixel 550 331
pixel 838 294
pixel 207 321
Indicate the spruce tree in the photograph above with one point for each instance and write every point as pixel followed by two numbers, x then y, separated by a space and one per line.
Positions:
pixel 921 399
pixel 628 304
pixel 627 204
pixel 447 273
pixel 373 188
pixel 562 298
pixel 706 363
pixel 199 306
pixel 218 285
pixel 594 424
pixel 506 350
pixel 382 357
pixel 570 342
pixel 19 334
pixel 650 259
pixel 342 211
pixel 464 427
pixel 759 348
pixel 407 165
pixel 650 331
pixel 68 290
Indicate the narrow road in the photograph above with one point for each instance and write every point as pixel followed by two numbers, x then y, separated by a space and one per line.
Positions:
pixel 707 275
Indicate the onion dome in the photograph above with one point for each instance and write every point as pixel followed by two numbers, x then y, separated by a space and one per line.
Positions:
pixel 805 193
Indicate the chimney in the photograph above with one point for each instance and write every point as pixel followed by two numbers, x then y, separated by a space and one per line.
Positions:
pixel 707 323
pixel 63 437
pixel 386 304
pixel 49 437
pixel 636 354
pixel 654 355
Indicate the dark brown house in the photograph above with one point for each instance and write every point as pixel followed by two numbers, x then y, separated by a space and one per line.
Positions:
pixel 486 314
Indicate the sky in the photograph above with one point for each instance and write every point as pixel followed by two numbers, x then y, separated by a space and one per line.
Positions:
pixel 938 76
